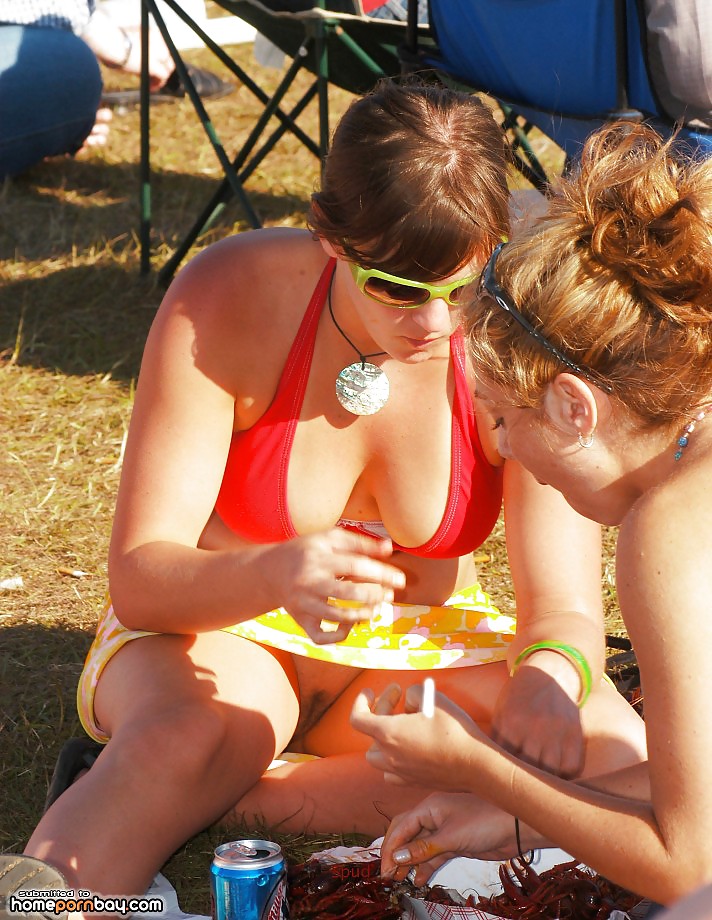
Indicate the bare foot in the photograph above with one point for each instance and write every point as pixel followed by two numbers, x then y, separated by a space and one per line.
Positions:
pixel 98 135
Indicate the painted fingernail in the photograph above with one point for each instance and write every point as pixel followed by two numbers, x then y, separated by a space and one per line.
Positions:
pixel 401 856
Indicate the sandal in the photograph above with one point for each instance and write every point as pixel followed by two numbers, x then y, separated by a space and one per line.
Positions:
pixel 76 755
pixel 207 84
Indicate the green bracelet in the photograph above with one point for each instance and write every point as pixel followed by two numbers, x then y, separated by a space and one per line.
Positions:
pixel 583 669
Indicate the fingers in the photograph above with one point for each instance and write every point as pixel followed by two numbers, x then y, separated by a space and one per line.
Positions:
pixel 403 850
pixel 563 757
pixel 572 761
pixel 367 708
pixel 417 851
pixel 328 619
pixel 366 717
pixel 386 703
pixel 335 579
pixel 554 745
pixel 414 698
pixel 361 570
pixel 393 779
pixel 346 571
pixel 324 632
pixel 160 63
pixel 362 718
pixel 359 558
pixel 458 714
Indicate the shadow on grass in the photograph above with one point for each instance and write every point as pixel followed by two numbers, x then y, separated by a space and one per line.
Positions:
pixel 73 299
pixel 39 671
pixel 86 320
pixel 76 207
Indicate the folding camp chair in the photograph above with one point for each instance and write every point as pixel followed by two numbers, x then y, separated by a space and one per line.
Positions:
pixel 338 45
pixel 565 67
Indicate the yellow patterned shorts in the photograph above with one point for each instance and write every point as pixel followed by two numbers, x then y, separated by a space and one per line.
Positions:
pixel 467 630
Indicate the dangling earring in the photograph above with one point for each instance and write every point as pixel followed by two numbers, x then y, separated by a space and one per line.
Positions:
pixel 586 442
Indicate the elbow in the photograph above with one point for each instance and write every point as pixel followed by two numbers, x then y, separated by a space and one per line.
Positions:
pixel 127 597
pixel 687 871
pixel 128 616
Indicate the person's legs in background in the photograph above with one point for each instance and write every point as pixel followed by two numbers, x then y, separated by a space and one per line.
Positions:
pixel 50 90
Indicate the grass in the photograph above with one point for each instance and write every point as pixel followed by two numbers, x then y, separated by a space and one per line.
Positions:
pixel 74 313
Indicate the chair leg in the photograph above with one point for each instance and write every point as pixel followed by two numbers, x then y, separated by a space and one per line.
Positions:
pixel 145 150
pixel 528 164
pixel 242 172
pixel 235 172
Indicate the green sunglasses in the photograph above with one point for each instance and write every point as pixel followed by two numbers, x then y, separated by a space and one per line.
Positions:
pixel 403 293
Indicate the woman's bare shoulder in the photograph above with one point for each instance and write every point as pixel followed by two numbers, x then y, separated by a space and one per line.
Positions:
pixel 239 303
pixel 252 261
pixel 240 284
pixel 663 540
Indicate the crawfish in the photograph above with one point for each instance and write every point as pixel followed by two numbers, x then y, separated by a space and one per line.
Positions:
pixel 317 891
pixel 564 892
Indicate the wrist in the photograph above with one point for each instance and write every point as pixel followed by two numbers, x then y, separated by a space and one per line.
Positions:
pixel 128 48
pixel 265 574
pixel 565 652
pixel 559 668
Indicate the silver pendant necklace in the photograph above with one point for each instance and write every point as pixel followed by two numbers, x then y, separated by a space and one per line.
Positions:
pixel 362 388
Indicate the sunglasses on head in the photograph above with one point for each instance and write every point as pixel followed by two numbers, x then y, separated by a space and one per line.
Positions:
pixel 489 283
pixel 403 293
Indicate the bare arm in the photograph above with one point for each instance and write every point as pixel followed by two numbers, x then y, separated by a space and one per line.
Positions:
pixel 555 560
pixel 647 827
pixel 180 431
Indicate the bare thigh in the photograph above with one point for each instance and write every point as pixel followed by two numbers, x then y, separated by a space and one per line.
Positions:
pixel 474 689
pixel 615 733
pixel 194 722
pixel 156 680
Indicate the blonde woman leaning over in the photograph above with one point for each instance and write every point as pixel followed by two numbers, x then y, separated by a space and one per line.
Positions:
pixel 304 439
pixel 592 339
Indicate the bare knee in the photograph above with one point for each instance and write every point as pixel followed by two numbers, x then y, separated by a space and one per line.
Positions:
pixel 193 743
pixel 615 731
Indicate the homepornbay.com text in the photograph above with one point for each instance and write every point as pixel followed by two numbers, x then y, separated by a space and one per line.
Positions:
pixel 58 902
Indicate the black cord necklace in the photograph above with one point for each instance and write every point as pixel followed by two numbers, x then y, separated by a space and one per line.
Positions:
pixel 362 388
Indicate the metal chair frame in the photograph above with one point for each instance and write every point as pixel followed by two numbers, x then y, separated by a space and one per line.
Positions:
pixel 319 26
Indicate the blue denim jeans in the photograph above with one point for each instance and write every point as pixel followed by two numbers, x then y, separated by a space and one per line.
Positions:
pixel 50 89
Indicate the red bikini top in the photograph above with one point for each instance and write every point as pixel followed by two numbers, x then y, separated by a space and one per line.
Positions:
pixel 253 496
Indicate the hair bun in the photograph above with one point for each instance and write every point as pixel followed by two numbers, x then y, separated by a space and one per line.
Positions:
pixel 646 215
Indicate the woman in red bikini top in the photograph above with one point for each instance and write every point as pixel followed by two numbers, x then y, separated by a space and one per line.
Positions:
pixel 306 477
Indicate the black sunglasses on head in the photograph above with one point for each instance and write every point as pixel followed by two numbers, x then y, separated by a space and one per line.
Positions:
pixel 489 283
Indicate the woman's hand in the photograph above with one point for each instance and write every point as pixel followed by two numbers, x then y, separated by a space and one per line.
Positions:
pixel 160 62
pixel 436 752
pixel 442 826
pixel 120 48
pixel 536 719
pixel 334 580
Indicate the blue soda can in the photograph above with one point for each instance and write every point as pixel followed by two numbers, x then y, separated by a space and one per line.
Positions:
pixel 248 881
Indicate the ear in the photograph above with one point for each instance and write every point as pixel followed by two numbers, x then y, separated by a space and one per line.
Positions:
pixel 571 405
